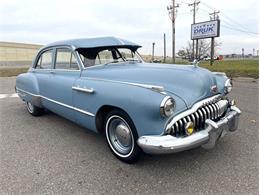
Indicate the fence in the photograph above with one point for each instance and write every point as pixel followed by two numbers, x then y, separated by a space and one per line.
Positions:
pixel 17 54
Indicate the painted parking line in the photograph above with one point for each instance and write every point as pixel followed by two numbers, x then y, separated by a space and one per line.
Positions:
pixel 2 96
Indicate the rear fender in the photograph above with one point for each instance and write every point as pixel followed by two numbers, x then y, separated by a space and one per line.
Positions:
pixel 28 89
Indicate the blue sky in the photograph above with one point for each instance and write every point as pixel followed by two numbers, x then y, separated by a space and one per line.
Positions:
pixel 141 21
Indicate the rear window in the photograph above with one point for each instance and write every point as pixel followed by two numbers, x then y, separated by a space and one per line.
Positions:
pixel 45 60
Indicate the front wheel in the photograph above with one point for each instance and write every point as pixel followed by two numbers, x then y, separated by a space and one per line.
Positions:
pixel 121 136
pixel 34 110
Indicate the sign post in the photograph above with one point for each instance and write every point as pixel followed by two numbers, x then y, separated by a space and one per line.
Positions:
pixel 203 30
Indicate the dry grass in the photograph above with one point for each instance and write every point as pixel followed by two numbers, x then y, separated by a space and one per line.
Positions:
pixel 8 72
pixel 233 68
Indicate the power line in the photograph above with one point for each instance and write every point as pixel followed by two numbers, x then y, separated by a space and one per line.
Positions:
pixel 232 27
pixel 239 30
pixel 230 19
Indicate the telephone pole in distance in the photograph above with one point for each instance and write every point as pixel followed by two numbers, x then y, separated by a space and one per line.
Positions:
pixel 172 13
pixel 213 16
pixel 194 5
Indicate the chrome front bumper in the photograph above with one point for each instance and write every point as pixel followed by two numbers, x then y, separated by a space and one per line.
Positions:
pixel 164 144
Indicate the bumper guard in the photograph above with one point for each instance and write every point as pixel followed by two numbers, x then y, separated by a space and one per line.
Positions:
pixel 165 144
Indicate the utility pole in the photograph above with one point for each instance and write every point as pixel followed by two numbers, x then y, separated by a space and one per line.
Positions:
pixel 153 52
pixel 243 53
pixel 172 13
pixel 215 17
pixel 254 52
pixel 164 48
pixel 194 4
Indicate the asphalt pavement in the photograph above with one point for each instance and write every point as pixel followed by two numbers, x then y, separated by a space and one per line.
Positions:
pixel 51 155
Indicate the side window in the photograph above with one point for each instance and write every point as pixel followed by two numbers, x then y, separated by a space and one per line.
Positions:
pixel 104 56
pixel 45 60
pixel 65 59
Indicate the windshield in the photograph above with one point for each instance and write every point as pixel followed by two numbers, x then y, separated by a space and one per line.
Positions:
pixel 96 56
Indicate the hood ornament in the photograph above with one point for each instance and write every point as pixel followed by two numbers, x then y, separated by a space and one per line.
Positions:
pixel 195 63
pixel 214 89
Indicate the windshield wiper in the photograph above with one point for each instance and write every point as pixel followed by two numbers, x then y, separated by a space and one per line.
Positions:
pixel 112 62
pixel 133 60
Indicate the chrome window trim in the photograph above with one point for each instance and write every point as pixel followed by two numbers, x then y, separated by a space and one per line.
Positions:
pixel 97 65
pixel 193 109
pixel 80 63
pixel 55 57
pixel 71 48
pixel 57 102
pixel 39 54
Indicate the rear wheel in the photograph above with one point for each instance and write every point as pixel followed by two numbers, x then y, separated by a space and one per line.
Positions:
pixel 121 136
pixel 34 110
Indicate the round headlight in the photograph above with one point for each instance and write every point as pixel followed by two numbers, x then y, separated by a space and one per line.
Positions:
pixel 167 106
pixel 228 86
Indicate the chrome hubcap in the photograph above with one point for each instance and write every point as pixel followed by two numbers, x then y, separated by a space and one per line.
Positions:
pixel 29 107
pixel 120 135
pixel 123 134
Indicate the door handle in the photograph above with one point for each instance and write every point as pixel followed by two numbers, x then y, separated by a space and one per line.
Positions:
pixel 86 90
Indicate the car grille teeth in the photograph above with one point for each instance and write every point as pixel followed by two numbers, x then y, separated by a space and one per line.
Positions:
pixel 213 111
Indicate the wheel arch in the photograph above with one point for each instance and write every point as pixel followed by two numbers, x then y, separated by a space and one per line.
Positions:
pixel 101 115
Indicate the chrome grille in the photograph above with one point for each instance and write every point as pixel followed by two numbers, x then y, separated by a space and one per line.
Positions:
pixel 211 110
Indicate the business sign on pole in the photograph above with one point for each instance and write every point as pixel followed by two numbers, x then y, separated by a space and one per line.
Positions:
pixel 204 30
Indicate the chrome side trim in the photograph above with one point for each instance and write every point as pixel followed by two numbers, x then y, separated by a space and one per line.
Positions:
pixel 190 111
pixel 57 102
pixel 20 90
pixel 86 90
pixel 156 88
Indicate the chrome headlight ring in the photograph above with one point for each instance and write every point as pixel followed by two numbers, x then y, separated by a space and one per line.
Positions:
pixel 167 106
pixel 228 86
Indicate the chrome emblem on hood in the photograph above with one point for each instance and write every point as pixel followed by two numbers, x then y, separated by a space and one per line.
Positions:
pixel 214 89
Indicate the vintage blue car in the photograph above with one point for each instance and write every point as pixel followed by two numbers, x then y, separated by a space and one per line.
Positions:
pixel 104 85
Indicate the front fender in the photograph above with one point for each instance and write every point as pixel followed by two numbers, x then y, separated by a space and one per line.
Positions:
pixel 141 104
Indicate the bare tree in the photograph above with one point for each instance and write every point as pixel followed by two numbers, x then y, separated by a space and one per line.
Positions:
pixel 203 49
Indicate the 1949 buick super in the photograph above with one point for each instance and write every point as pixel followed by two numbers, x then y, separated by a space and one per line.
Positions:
pixel 104 85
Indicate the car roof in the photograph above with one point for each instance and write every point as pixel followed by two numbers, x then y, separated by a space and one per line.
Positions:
pixel 94 43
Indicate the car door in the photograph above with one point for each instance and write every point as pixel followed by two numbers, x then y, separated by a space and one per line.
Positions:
pixel 62 77
pixel 42 70
pixel 84 95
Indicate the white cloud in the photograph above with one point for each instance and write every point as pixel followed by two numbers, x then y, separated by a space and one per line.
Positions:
pixel 140 21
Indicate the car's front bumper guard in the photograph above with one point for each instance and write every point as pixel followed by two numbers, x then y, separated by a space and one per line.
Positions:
pixel 163 144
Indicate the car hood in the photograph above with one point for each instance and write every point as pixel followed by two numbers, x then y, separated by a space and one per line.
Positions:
pixel 185 81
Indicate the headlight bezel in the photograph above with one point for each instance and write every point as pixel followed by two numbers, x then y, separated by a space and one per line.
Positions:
pixel 228 86
pixel 167 101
